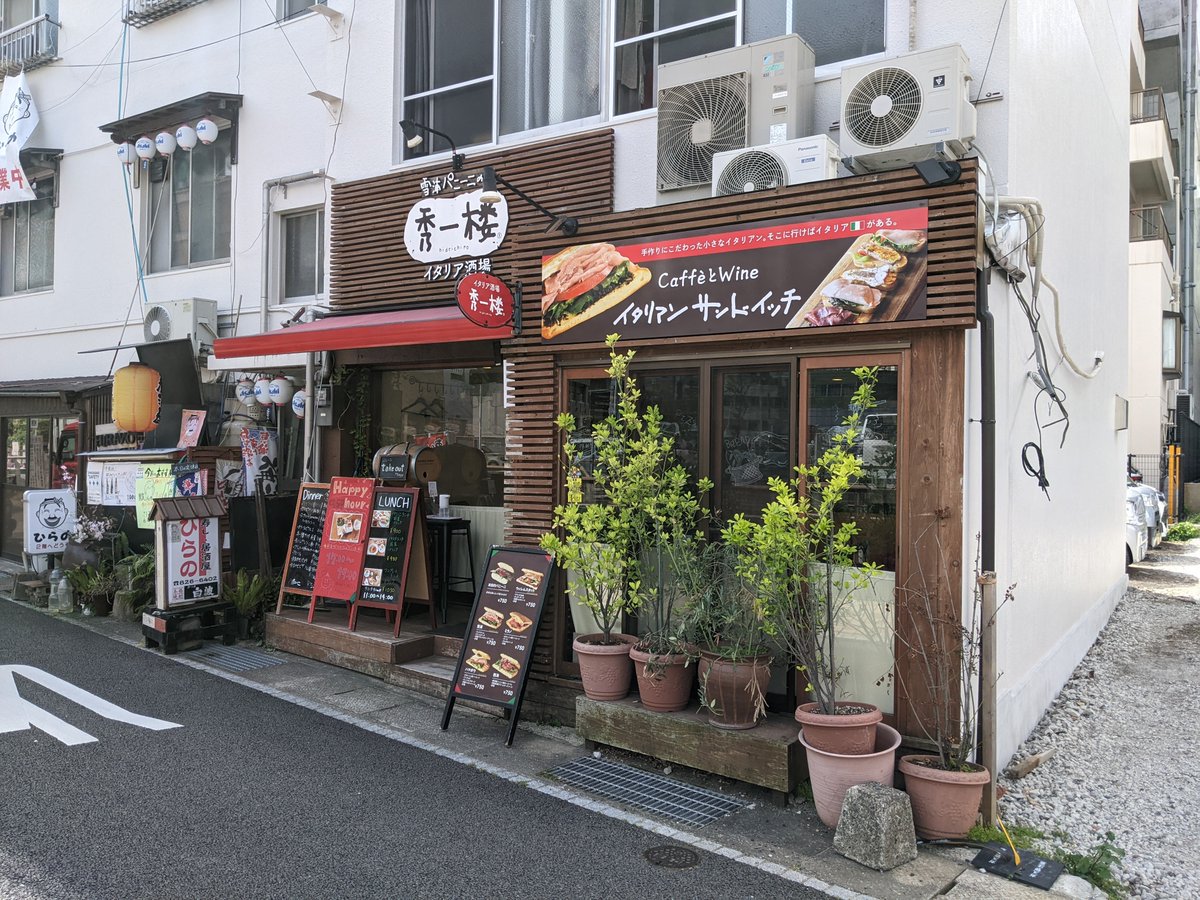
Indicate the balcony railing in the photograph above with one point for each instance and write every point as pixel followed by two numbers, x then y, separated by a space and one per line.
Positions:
pixel 1146 106
pixel 143 12
pixel 1147 223
pixel 30 45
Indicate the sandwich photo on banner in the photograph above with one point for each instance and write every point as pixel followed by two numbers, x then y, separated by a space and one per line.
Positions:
pixel 582 282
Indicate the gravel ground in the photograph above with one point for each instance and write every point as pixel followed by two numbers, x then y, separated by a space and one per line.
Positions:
pixel 1125 735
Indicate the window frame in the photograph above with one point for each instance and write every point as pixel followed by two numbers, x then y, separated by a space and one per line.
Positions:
pixel 282 16
pixel 1172 372
pixel 8 232
pixel 151 210
pixel 281 257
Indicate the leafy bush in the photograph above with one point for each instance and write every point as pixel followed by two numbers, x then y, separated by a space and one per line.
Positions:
pixel 1184 531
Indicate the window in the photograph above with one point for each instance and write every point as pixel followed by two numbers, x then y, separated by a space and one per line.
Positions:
pixel 289 8
pixel 1172 345
pixel 837 30
pixel 16 12
pixel 188 210
pixel 303 268
pixel 27 239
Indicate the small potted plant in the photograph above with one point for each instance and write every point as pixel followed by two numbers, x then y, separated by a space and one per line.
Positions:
pixel 250 594
pixel 136 588
pixel 94 589
pixel 945 787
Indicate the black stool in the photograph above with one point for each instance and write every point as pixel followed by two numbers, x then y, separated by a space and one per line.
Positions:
pixel 444 531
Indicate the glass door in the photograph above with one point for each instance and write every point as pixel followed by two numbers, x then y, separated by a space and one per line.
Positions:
pixel 752 437
pixel 866 624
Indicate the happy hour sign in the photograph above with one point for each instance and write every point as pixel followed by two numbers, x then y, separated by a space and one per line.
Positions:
pixel 344 540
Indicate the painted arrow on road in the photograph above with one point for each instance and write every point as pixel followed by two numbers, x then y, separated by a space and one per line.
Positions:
pixel 18 714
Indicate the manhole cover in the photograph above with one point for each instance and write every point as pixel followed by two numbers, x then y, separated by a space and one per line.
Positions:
pixel 672 857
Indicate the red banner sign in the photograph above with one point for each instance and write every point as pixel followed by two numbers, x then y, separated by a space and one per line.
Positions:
pixel 344 540
pixel 485 300
pixel 861 267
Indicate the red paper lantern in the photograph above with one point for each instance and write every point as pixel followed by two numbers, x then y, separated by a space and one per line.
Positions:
pixel 136 398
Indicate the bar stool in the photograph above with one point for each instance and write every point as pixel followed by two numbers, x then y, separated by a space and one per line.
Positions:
pixel 444 530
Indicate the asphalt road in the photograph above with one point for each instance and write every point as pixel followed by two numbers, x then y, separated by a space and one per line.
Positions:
pixel 255 797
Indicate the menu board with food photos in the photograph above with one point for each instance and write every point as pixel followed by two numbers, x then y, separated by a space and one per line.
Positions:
pixel 304 545
pixel 494 661
pixel 396 566
pixel 343 540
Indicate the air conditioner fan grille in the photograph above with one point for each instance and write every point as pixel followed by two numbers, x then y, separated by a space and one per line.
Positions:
pixel 882 107
pixel 754 170
pixel 696 121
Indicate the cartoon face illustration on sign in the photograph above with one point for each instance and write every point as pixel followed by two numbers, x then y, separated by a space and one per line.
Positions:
pixel 52 512
pixel 15 113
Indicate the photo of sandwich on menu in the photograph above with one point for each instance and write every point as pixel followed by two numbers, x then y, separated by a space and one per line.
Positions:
pixel 530 578
pixel 873 281
pixel 346 527
pixel 583 282
pixel 518 622
pixel 501 573
pixel 480 661
pixel 507 666
pixel 490 618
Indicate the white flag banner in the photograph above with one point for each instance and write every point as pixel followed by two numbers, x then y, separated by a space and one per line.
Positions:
pixel 18 118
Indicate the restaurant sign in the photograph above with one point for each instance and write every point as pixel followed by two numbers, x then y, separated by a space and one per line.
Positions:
pixel 441 227
pixel 858 267
pixel 193 561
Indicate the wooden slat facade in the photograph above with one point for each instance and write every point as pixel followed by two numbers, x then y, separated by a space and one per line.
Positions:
pixel 369 267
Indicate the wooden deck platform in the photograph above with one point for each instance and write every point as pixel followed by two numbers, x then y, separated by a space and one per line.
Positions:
pixel 769 755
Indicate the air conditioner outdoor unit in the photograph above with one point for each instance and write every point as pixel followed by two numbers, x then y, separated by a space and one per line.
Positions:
pixel 774 166
pixel 760 93
pixel 174 319
pixel 902 110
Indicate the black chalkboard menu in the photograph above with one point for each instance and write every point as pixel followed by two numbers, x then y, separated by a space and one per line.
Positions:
pixel 396 565
pixel 304 545
pixel 394 467
pixel 494 662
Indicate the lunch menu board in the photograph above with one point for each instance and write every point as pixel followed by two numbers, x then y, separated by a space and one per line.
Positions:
pixel 494 662
pixel 396 566
pixel 304 545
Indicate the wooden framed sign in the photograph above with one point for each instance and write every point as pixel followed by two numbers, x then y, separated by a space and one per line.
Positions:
pixel 343 540
pixel 396 565
pixel 304 544
pixel 494 663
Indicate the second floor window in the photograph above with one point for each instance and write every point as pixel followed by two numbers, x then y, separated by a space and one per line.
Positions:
pixel 27 242
pixel 289 8
pixel 17 12
pixel 188 212
pixel 303 268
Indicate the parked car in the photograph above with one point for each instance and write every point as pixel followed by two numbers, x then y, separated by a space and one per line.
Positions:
pixel 1156 513
pixel 1135 527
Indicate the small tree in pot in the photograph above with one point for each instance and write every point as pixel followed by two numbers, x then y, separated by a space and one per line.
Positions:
pixel 801 562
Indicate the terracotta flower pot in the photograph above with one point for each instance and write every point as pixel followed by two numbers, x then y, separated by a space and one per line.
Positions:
pixel 732 686
pixel 664 682
pixel 839 733
pixel 944 804
pixel 832 774
pixel 604 668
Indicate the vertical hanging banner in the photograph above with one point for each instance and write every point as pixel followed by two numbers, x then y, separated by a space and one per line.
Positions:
pixel 18 119
pixel 344 540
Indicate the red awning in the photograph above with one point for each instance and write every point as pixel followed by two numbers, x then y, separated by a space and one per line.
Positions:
pixel 437 325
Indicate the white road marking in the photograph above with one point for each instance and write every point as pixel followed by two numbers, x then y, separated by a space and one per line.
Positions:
pixel 18 714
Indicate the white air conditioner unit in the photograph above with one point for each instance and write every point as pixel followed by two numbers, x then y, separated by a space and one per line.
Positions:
pixel 760 93
pixel 902 110
pixel 174 319
pixel 774 166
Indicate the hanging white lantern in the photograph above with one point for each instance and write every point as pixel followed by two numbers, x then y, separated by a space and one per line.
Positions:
pixel 186 137
pixel 164 141
pixel 126 154
pixel 245 392
pixel 207 131
pixel 262 391
pixel 144 147
pixel 299 402
pixel 281 391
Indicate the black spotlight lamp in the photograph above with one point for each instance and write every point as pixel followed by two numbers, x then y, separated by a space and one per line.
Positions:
pixel 936 172
pixel 413 139
pixel 568 225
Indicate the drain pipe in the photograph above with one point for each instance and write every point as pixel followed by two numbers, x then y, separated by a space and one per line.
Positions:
pixel 265 236
pixel 985 732
pixel 1187 249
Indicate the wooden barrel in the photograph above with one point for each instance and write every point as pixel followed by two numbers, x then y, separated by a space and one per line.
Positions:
pixel 426 465
pixel 392 450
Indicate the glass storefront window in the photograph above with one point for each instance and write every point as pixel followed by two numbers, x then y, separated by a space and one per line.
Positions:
pixel 754 432
pixel 458 411
pixel 25 448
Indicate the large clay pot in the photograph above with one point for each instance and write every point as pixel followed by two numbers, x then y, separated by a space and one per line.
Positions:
pixel 664 681
pixel 841 732
pixel 832 774
pixel 944 804
pixel 604 668
pixel 728 692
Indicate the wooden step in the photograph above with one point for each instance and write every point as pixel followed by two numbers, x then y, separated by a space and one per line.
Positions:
pixel 432 676
pixel 372 649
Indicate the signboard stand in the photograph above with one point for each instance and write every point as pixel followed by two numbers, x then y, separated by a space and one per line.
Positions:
pixel 494 662
pixel 396 566
pixel 343 541
pixel 304 543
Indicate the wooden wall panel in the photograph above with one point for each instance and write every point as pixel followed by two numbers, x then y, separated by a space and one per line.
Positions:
pixel 369 268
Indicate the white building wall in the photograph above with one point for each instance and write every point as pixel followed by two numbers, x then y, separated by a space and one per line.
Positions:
pixel 1150 274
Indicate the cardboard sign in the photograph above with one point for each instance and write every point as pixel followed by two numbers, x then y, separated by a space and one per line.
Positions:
pixel 396 567
pixel 49 520
pixel 304 545
pixel 494 662
pixel 344 539
pixel 154 480
pixel 192 562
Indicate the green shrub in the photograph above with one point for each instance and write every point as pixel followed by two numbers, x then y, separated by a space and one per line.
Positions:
pixel 1183 531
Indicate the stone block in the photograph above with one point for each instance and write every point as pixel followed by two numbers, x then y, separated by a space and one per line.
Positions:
pixel 876 827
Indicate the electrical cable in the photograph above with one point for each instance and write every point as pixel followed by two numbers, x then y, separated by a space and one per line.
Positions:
pixel 1036 469
pixel 86 80
pixel 991 49
pixel 173 53
pixel 283 32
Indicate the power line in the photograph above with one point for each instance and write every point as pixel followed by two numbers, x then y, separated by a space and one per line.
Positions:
pixel 283 32
pixel 143 59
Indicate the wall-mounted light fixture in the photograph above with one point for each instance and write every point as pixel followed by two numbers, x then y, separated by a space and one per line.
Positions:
pixel 568 225
pixel 412 140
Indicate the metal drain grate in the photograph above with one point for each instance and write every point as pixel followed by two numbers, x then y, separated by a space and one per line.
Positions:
pixel 234 659
pixel 671 857
pixel 666 797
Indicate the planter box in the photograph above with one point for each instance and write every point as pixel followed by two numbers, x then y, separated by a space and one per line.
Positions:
pixel 769 755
